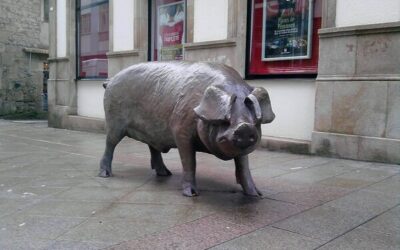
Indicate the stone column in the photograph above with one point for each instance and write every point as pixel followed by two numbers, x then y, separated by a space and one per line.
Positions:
pixel 62 83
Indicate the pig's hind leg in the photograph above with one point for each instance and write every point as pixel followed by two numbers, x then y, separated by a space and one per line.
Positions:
pixel 157 163
pixel 114 136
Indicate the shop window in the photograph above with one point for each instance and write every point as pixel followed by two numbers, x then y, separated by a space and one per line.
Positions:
pixel 169 25
pixel 93 37
pixel 283 37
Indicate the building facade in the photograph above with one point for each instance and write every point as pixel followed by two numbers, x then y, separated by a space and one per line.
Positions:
pixel 331 66
pixel 24 43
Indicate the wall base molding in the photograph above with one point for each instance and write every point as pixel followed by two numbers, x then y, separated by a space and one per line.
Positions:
pixel 356 147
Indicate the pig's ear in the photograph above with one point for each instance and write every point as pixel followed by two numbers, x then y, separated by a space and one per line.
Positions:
pixel 215 106
pixel 259 101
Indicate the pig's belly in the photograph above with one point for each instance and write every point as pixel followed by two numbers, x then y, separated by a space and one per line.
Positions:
pixel 158 135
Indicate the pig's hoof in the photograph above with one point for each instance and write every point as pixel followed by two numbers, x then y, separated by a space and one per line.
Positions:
pixel 163 172
pixel 253 193
pixel 105 174
pixel 190 191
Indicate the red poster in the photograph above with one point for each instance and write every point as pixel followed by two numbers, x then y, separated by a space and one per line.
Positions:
pixel 274 50
pixel 170 31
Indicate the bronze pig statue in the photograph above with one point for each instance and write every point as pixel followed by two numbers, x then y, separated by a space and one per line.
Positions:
pixel 205 107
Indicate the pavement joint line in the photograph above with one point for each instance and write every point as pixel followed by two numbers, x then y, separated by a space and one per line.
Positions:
pixel 269 225
pixel 164 230
pixel 304 168
pixel 71 229
pixel 112 203
pixel 318 240
pixel 356 227
pixel 31 139
pixel 359 188
pixel 291 160
pixel 333 176
pixel 277 163
pixel 312 207
pixel 323 203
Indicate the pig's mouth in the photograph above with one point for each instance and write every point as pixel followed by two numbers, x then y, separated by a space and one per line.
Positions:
pixel 229 148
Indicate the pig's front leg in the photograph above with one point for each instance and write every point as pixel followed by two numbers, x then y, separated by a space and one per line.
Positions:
pixel 188 159
pixel 243 176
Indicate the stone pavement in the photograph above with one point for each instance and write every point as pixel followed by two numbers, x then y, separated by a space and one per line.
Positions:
pixel 50 198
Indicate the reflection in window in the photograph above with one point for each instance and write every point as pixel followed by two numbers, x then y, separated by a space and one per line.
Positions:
pixel 93 38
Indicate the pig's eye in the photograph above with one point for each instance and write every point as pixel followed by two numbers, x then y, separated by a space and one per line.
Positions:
pixel 253 105
pixel 248 103
pixel 225 123
pixel 221 123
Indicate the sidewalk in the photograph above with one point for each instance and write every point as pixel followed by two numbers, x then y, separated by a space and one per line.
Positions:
pixel 50 198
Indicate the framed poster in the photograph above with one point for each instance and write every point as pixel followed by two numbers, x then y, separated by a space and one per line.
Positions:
pixel 170 31
pixel 286 30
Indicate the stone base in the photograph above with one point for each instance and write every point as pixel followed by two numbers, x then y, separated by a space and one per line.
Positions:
pixel 356 147
pixel 82 123
pixel 284 144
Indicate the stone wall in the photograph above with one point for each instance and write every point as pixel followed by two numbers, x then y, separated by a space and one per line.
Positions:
pixel 358 89
pixel 21 69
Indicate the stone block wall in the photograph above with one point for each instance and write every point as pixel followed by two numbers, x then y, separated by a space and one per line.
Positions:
pixel 357 112
pixel 21 71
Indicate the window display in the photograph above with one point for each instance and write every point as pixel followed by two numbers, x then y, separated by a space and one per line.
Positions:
pixel 169 31
pixel 286 30
pixel 284 37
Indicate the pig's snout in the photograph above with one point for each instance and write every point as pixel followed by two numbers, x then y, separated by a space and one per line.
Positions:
pixel 245 136
pixel 270 117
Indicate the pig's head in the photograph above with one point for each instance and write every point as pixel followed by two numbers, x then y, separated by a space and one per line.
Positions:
pixel 230 124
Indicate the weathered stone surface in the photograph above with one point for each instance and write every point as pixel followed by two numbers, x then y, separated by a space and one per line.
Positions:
pixel 359 108
pixel 338 145
pixel 338 57
pixel 323 106
pixel 50 198
pixel 393 121
pixel 379 149
pixel 21 77
pixel 322 222
pixel 378 54
pixel 362 100
pixel 361 239
pixel 356 147
pixel 270 238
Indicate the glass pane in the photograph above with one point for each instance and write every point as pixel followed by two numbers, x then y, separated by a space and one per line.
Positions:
pixel 45 10
pixel 286 30
pixel 169 30
pixel 93 39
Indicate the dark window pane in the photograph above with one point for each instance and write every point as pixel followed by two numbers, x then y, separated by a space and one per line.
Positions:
pixel 45 10
pixel 93 39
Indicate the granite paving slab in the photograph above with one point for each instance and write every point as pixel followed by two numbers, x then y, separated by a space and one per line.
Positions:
pixel 51 198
